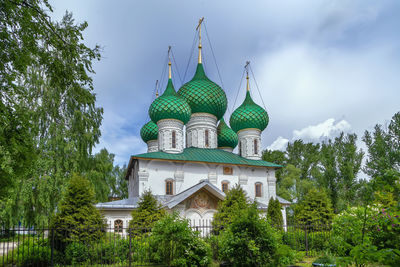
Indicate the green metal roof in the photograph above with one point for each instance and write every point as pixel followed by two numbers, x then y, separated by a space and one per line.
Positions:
pixel 249 115
pixel 207 155
pixel 170 106
pixel 226 136
pixel 149 131
pixel 203 95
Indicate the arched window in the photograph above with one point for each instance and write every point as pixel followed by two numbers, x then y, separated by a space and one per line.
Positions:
pixel 224 187
pixel 169 187
pixel 255 146
pixel 258 189
pixel 118 226
pixel 240 148
pixel 173 139
pixel 206 138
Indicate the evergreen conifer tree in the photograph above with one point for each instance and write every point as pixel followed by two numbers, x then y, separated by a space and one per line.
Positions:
pixel 234 201
pixel 274 213
pixel 78 220
pixel 315 209
pixel 147 213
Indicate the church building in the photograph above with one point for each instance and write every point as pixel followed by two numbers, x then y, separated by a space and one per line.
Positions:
pixel 190 163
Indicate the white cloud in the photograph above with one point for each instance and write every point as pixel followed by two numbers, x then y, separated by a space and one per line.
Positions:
pixel 326 129
pixel 314 133
pixel 279 144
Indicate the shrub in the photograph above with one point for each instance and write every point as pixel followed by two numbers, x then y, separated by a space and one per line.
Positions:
pixel 32 253
pixel 249 240
pixel 175 244
pixel 76 253
pixel 284 256
pixel 110 250
pixel 78 219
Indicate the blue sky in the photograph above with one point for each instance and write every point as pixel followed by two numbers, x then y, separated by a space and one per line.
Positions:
pixel 322 66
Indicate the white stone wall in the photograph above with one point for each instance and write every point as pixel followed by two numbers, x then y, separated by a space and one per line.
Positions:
pixel 152 146
pixel 246 143
pixel 195 130
pixel 165 129
pixel 152 174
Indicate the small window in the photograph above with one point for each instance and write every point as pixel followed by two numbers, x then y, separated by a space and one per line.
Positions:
pixel 255 146
pixel 228 171
pixel 118 226
pixel 206 138
pixel 258 189
pixel 169 187
pixel 240 148
pixel 225 187
pixel 173 139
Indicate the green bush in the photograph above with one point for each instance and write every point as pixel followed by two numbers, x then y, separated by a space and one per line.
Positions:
pixel 32 253
pixel 249 240
pixel 175 244
pixel 76 253
pixel 110 250
pixel 284 256
pixel 274 213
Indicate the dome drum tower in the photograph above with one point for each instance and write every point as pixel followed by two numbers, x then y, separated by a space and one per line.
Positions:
pixel 201 131
pixel 170 112
pixel 248 121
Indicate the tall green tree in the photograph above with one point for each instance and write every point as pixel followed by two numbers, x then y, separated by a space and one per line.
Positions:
pixel 235 200
pixel 148 212
pixel 102 174
pixel 315 209
pixel 274 213
pixel 78 220
pixel 304 156
pixel 383 148
pixel 49 121
pixel 121 188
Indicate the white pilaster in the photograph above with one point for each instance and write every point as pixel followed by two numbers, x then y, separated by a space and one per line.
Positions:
pixel 166 129
pixel 152 146
pixel 196 130
pixel 271 184
pixel 247 144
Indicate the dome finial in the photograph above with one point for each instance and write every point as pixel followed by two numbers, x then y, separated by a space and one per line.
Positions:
pixel 169 63
pixel 247 75
pixel 156 88
pixel 199 28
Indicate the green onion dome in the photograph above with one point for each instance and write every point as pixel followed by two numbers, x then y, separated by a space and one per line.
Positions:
pixel 170 106
pixel 226 136
pixel 203 95
pixel 149 131
pixel 249 115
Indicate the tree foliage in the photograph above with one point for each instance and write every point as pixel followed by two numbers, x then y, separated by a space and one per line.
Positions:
pixel 274 213
pixel 234 201
pixel 315 209
pixel 248 240
pixel 176 244
pixel 78 220
pixel 148 212
pixel 48 117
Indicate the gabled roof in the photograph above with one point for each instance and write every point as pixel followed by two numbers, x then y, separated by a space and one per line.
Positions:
pixel 191 190
pixel 129 203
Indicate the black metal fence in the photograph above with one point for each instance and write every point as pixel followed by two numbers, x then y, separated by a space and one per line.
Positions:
pixel 122 246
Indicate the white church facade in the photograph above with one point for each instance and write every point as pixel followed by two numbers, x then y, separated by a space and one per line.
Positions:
pixel 190 163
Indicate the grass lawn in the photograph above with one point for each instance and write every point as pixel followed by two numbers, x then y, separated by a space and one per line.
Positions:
pixel 306 262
